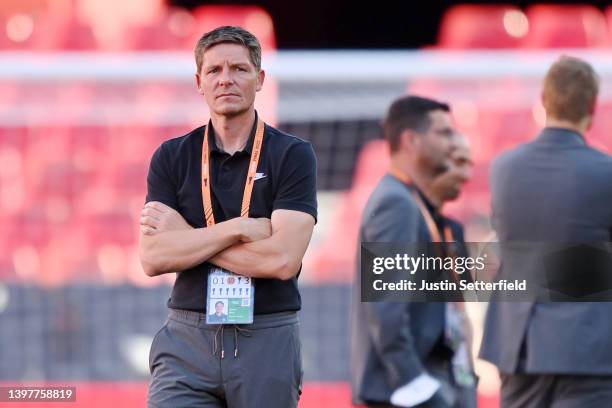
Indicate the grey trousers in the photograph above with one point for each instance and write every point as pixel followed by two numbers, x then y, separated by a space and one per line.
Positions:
pixel 555 391
pixel 193 364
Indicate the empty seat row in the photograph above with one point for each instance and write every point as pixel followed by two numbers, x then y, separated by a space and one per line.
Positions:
pixel 113 27
pixel 539 26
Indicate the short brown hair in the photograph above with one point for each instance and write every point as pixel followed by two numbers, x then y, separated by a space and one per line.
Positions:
pixel 232 35
pixel 570 89
pixel 409 112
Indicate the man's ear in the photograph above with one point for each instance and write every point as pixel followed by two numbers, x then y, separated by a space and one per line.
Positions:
pixel 199 85
pixel 261 75
pixel 588 122
pixel 409 139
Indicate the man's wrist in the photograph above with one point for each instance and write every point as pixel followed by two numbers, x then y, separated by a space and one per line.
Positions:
pixel 236 229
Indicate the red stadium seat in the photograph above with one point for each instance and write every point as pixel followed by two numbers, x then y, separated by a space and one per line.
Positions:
pixel 252 18
pixel 481 26
pixel 565 26
pixel 29 227
pixel 507 128
pixel 12 178
pixel 609 21
pixel 167 32
pixel 68 34
pixel 336 262
pixel 600 136
pixel 118 227
pixel 8 96
pixel 41 32
pixel 494 115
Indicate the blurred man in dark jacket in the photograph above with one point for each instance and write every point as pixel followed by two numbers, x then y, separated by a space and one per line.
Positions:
pixel 401 352
pixel 554 189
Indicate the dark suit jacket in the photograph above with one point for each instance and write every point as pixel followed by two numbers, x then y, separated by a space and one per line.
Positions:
pixel 555 189
pixel 392 342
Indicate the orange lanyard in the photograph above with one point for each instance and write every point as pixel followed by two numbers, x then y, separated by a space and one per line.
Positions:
pixel 431 224
pixel 250 180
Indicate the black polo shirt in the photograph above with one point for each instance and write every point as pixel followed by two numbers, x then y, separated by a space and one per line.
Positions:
pixel 288 165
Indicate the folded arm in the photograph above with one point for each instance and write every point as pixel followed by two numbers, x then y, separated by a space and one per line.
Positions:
pixel 174 251
pixel 276 257
pixel 169 244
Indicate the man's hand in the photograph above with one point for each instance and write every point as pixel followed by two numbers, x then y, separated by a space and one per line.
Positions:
pixel 276 257
pixel 157 217
pixel 254 229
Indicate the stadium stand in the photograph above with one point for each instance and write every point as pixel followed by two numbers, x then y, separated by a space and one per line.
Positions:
pixel 609 22
pixel 71 189
pixel 253 18
pixel 462 27
pixel 565 26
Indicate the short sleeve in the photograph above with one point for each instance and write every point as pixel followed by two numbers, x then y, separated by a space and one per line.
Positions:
pixel 160 183
pixel 298 181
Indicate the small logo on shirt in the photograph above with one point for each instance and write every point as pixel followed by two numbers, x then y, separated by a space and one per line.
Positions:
pixel 260 176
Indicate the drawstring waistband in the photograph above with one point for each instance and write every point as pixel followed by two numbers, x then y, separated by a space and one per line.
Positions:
pixel 237 331
pixel 221 326
pixel 261 321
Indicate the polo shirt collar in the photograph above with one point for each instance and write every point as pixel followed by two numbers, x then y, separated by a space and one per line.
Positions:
pixel 561 136
pixel 212 142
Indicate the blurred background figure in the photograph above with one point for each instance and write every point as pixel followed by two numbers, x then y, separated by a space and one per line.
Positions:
pixel 89 89
pixel 412 353
pixel 448 186
pixel 553 189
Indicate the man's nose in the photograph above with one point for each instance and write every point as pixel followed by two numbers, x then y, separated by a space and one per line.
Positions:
pixel 226 77
pixel 455 141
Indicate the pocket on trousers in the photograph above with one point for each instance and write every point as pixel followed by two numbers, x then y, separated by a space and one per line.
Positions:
pixel 297 359
pixel 153 343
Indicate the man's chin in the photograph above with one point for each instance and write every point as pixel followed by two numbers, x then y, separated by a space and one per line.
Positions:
pixel 230 110
pixel 452 195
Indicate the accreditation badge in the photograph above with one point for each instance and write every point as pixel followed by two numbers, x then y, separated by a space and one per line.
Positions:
pixel 462 368
pixel 230 298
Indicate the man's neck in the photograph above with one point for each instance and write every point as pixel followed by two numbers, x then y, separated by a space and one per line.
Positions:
pixel 564 124
pixel 435 199
pixel 232 132
pixel 429 193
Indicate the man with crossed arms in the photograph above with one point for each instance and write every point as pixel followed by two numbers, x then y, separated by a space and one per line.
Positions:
pixel 193 222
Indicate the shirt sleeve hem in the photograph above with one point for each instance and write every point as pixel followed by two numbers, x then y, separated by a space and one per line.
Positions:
pixel 305 208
